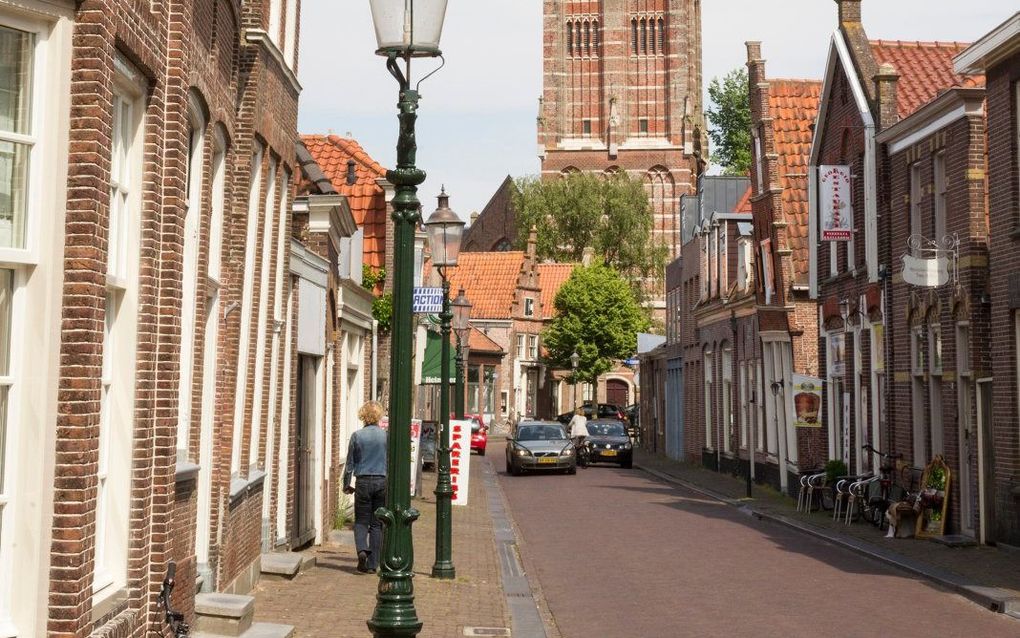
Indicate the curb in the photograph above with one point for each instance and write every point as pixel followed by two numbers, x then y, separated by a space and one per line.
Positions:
pixel 991 598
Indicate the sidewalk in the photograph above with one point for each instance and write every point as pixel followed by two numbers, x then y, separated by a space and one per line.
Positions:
pixel 986 575
pixel 332 600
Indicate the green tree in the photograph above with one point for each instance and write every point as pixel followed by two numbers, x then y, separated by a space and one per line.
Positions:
pixel 730 122
pixel 609 214
pixel 597 316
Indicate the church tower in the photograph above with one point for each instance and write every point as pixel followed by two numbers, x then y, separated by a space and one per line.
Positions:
pixel 622 92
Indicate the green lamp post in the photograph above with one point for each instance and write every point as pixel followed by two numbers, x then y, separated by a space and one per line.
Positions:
pixel 575 359
pixel 404 29
pixel 462 326
pixel 444 229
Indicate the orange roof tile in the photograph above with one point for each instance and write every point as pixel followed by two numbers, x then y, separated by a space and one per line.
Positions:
pixel 366 198
pixel 478 341
pixel 550 278
pixel 489 281
pixel 793 105
pixel 925 70
pixel 744 203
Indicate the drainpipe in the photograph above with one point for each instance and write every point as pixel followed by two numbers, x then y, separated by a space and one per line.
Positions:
pixel 375 360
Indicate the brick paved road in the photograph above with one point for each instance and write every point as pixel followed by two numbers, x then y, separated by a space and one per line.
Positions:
pixel 619 554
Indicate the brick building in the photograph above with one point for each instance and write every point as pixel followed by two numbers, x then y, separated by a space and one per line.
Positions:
pixel 785 318
pixel 495 228
pixel 622 92
pixel 997 56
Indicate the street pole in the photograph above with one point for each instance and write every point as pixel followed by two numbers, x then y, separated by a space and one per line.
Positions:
pixel 395 614
pixel 443 567
pixel 458 389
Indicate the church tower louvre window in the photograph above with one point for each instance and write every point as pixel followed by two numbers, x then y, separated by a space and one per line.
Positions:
pixel 570 38
pixel 634 36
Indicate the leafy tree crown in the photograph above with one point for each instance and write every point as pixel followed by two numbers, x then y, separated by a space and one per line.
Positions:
pixel 730 122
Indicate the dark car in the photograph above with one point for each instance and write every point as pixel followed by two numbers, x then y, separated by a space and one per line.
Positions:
pixel 608 442
pixel 428 444
pixel 539 445
pixel 604 411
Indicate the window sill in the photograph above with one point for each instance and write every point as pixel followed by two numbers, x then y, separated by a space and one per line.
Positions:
pixel 240 487
pixel 185 472
pixel 108 603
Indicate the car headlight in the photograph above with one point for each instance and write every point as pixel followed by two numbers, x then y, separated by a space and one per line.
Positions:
pixel 567 451
pixel 627 446
pixel 523 452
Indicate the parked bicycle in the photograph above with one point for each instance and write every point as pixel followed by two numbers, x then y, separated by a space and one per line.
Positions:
pixel 883 492
pixel 174 619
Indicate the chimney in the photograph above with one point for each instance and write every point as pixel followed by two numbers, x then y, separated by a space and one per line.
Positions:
pixel 474 217
pixel 532 242
pixel 587 256
pixel 849 11
pixel 885 93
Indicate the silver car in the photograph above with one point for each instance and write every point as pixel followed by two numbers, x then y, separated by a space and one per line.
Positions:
pixel 540 445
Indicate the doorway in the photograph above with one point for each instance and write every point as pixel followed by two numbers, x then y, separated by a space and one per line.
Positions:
pixel 305 453
pixel 617 393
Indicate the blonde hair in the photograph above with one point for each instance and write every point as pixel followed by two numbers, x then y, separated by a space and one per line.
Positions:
pixel 579 411
pixel 370 413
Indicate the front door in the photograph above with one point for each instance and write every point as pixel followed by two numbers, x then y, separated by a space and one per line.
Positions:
pixel 304 488
pixel 617 393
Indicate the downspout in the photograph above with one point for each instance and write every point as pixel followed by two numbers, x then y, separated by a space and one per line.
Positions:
pixel 375 360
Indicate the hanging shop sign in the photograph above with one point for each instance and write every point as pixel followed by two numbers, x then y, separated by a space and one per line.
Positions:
pixel 836 204
pixel 927 273
pixel 807 401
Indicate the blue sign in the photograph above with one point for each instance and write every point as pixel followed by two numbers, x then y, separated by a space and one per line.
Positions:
pixel 631 362
pixel 427 300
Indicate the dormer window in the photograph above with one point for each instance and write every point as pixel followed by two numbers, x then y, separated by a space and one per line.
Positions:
pixel 529 307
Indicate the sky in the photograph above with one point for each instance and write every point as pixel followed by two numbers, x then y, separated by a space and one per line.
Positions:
pixel 476 120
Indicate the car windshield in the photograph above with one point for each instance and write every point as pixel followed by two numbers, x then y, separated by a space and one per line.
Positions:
pixel 540 433
pixel 476 426
pixel 606 429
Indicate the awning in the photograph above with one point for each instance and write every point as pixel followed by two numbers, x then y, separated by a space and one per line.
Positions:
pixel 431 364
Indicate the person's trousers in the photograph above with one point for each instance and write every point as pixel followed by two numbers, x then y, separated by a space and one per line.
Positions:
pixel 369 495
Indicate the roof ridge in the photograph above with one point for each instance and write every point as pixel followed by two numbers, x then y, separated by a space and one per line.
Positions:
pixel 920 43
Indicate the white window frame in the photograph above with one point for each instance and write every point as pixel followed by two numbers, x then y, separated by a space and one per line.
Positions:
pixel 529 307
pixel 189 280
pixel 727 396
pixel 709 380
pixel 247 303
pixel 8 437
pixel 269 212
pixel 533 347
pixel 116 430
pixel 521 337
pixel 744 406
pixel 936 427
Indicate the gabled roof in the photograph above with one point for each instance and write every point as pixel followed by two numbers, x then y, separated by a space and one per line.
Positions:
pixel 551 278
pixel 478 341
pixel 489 281
pixel 367 199
pixel 793 106
pixel 925 70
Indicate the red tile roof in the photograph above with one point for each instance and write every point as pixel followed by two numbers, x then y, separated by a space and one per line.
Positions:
pixel 366 198
pixel 489 281
pixel 793 105
pixel 925 70
pixel 744 203
pixel 478 341
pixel 550 278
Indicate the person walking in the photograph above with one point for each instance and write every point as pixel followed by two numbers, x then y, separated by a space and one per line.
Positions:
pixel 366 463
pixel 578 433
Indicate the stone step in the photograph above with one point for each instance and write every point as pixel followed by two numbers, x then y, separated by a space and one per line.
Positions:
pixel 223 614
pixel 281 565
pixel 307 562
pixel 257 630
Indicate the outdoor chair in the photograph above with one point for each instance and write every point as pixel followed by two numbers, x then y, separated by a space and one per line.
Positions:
pixel 857 491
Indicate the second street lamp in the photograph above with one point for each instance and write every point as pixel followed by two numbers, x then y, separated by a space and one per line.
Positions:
pixel 444 229
pixel 404 29
pixel 462 326
pixel 575 359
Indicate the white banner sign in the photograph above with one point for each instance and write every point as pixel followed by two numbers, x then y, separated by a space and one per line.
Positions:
pixel 460 459
pixel 427 300
pixel 929 273
pixel 835 203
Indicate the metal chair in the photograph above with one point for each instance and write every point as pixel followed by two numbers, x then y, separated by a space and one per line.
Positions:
pixel 857 491
pixel 814 482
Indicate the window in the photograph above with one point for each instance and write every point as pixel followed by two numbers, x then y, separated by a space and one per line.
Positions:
pixel 117 398
pixel 744 407
pixel 724 261
pixel 246 307
pixel 935 387
pixel 595 37
pixel 269 208
pixel 587 38
pixel 644 36
pixel 520 346
pixel 917 395
pixel 290 33
pixel 6 382
pixel 662 36
pixel 192 225
pixel 767 271
pixel 651 35
pixel 529 307
pixel 915 202
pixel 727 397
pixel 634 36
pixel 533 348
pixel 586 127
pixel 939 177
pixel 708 399
pixel 759 178
pixel 16 133
pixel 570 38
pixel 643 125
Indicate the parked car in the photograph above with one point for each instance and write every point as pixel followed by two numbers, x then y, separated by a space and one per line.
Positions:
pixel 479 435
pixel 603 411
pixel 540 445
pixel 428 444
pixel 608 442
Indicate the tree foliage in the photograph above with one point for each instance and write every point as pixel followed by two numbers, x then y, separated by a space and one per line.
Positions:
pixel 597 316
pixel 609 214
pixel 730 122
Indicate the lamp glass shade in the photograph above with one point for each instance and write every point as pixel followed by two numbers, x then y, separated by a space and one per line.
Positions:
pixel 408 27
pixel 461 312
pixel 574 360
pixel 444 230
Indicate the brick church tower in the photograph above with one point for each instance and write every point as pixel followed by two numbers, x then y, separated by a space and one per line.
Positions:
pixel 622 91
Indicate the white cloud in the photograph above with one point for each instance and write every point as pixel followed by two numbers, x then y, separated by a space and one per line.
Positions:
pixel 477 116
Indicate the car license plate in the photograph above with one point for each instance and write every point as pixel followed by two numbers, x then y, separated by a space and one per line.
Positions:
pixel 608 452
pixel 547 459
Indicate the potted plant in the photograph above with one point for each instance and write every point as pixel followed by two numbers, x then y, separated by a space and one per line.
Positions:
pixel 833 470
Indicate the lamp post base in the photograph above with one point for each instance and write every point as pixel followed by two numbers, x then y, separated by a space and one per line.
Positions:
pixel 444 572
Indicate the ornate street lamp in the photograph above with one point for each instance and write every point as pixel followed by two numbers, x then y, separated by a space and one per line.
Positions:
pixel 444 229
pixel 575 359
pixel 462 326
pixel 405 29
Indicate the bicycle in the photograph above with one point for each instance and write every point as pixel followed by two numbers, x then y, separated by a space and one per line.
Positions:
pixel 879 495
pixel 583 451
pixel 174 619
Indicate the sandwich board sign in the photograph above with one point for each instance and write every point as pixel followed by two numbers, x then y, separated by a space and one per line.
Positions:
pixel 460 459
